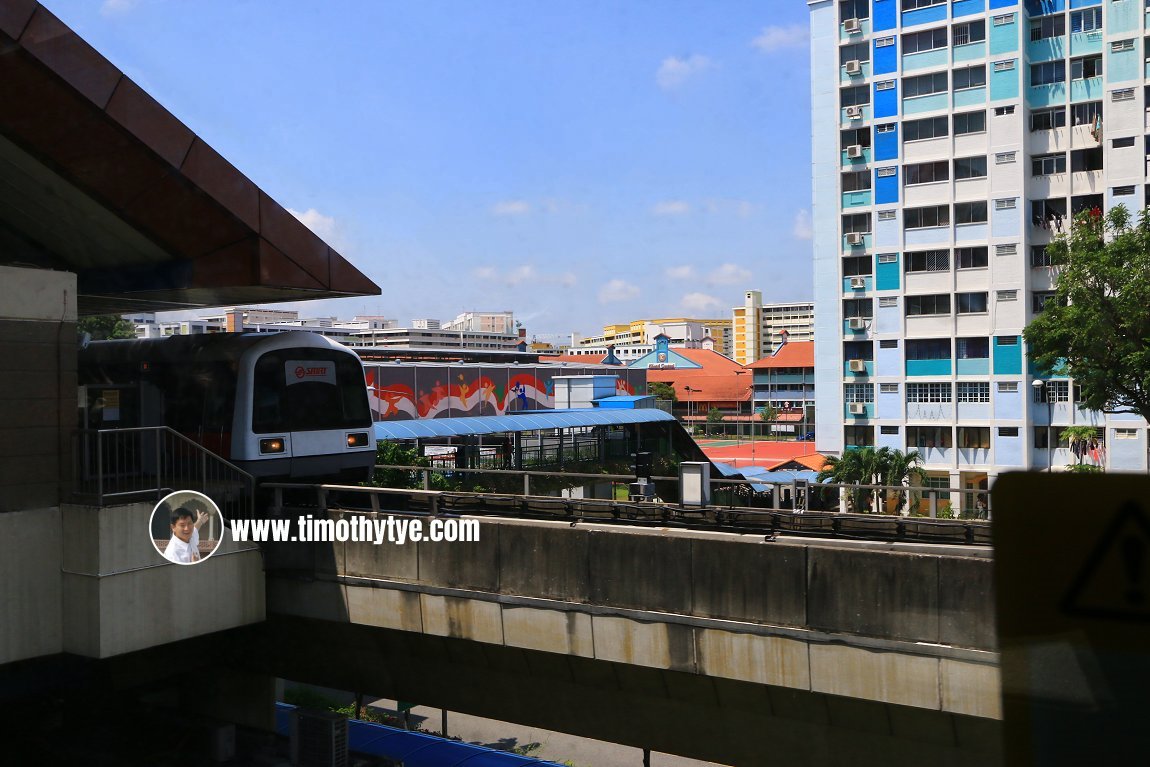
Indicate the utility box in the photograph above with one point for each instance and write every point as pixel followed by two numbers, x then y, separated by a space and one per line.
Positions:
pixel 695 483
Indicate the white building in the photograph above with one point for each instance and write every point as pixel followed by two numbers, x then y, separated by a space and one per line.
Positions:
pixel 951 141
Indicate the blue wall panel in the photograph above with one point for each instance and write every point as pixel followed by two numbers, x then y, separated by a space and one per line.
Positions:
pixel 1003 3
pixel 884 14
pixel 1083 3
pixel 967 7
pixel 886 144
pixel 885 58
pixel 885 102
pixel 1007 359
pixel 887 276
pixel 924 15
pixel 1043 7
pixel 885 188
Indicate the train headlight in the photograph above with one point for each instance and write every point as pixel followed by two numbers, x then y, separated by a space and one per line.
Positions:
pixel 358 439
pixel 275 445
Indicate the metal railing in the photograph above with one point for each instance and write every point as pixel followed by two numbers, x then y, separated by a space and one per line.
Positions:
pixel 144 462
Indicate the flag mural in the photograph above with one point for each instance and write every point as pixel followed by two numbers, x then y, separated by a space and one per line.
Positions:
pixel 411 391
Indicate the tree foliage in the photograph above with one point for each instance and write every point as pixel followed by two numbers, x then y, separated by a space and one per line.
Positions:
pixel 768 414
pixel 662 390
pixel 714 415
pixel 106 327
pixel 1097 329
pixel 867 466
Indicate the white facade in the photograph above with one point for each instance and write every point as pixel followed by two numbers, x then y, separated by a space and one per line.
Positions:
pixel 951 141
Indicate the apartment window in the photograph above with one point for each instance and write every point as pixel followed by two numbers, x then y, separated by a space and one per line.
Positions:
pixel 1123 191
pixel 886 215
pixel 888 343
pixel 1006 295
pixel 913 5
pixel 887 302
pixel 1004 158
pixel 856 266
pixel 888 258
pixel 970 212
pixel 1006 340
pixel 1048 73
pixel 855 137
pixel 970 122
pixel 1121 45
pixel 856 222
pixel 929 40
pixel 1044 29
pixel 1087 20
pixel 928 349
pixel 859 436
pixel 1040 298
pixel 970 77
pixel 1047 164
pixel 1039 255
pixel 888 388
pixel 858 307
pixel 888 430
pixel 1008 387
pixel 854 9
pixel 1052 391
pixel 921 306
pixel 972 391
pixel 884 85
pixel 926 173
pixel 883 42
pixel 855 96
pixel 1122 94
pixel 969 167
pixel 927 261
pixel 1086 159
pixel 1047 119
pixel 856 181
pixel 974 348
pixel 1008 203
pixel 974 437
pixel 972 258
pixel 1004 111
pixel 886 172
pixel 886 128
pixel 1122 143
pixel 924 85
pixel 971 32
pixel 917 130
pixel 1005 66
pixel 922 218
pixel 853 392
pixel 921 437
pixel 1125 434
pixel 928 392
pixel 1008 431
pixel 1008 249
pixel 970 303
pixel 1086 67
pixel 1003 20
pixel 854 52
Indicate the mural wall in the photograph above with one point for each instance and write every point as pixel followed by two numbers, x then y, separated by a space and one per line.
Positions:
pixel 407 391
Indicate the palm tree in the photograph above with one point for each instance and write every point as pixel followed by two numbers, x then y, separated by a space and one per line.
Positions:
pixel 899 468
pixel 867 466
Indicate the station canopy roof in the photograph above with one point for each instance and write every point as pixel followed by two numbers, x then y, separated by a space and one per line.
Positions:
pixel 530 420
pixel 99 179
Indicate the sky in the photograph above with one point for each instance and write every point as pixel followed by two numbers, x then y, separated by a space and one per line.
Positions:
pixel 578 162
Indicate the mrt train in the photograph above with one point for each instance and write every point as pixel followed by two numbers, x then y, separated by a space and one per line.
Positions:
pixel 290 405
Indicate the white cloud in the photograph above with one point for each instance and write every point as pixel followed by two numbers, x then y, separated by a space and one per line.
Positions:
pixel 685 272
pixel 674 71
pixel 671 208
pixel 776 38
pixel 803 229
pixel 728 274
pixel 520 275
pixel 511 208
pixel 740 208
pixel 700 303
pixel 115 7
pixel 568 279
pixel 323 226
pixel 485 273
pixel 523 274
pixel 617 290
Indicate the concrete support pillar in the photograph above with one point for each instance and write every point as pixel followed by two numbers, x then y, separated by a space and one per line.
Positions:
pixel 956 495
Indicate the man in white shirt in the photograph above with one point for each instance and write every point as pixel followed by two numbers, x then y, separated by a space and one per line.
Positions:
pixel 184 547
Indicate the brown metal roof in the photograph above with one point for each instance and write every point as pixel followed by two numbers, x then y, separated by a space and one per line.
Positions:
pixel 98 178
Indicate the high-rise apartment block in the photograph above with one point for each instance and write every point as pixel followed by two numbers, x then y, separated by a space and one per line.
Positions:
pixel 952 140
pixel 758 329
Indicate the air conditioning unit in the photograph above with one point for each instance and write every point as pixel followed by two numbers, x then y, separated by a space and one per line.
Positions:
pixel 319 738
pixel 854 113
pixel 856 323
pixel 854 67
pixel 858 283
pixel 854 151
pixel 858 366
pixel 852 26
pixel 854 238
pixel 857 408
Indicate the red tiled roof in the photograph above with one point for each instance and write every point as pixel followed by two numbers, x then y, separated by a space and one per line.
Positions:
pixel 705 387
pixel 585 359
pixel 812 461
pixel 795 354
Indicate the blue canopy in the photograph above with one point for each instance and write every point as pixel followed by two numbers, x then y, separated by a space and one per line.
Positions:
pixel 529 420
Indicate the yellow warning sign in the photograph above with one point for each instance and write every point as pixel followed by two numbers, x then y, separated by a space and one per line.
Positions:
pixel 1072 581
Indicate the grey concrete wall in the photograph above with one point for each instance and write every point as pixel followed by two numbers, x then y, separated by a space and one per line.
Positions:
pixel 30 585
pixel 37 385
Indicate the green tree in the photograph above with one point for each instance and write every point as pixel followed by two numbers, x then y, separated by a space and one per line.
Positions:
pixel 1097 328
pixel 768 414
pixel 714 417
pixel 107 326
pixel 1084 434
pixel 662 390
pixel 867 466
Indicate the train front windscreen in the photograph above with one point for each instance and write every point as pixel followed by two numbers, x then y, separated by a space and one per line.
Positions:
pixel 308 390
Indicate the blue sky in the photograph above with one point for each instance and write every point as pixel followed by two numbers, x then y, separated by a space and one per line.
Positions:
pixel 579 163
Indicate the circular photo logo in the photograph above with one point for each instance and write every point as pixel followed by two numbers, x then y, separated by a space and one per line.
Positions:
pixel 186 527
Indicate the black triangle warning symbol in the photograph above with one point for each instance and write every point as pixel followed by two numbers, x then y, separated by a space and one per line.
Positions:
pixel 1115 581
